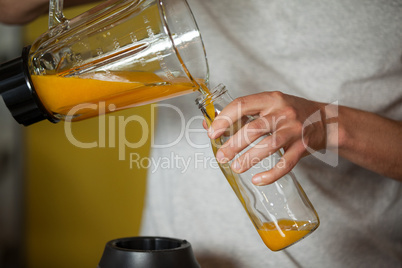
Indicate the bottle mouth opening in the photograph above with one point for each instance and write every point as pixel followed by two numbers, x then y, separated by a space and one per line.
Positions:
pixel 215 93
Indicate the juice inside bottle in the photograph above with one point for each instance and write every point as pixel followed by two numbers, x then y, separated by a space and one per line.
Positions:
pixel 121 89
pixel 277 234
pixel 283 233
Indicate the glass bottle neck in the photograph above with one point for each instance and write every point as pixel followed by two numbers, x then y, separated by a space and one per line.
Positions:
pixel 205 99
pixel 211 104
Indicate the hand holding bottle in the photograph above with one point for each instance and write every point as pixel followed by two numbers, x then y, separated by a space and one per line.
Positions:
pixel 285 118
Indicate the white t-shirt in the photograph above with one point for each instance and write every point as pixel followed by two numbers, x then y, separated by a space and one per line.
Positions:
pixel 341 51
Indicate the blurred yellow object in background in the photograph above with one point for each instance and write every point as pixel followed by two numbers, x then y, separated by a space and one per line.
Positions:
pixel 77 199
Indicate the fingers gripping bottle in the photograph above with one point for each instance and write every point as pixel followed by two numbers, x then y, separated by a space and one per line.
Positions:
pixel 119 54
pixel 281 211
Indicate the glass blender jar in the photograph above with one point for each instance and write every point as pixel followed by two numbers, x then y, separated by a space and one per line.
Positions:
pixel 120 54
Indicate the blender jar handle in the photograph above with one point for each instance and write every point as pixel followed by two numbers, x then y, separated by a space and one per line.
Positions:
pixel 56 15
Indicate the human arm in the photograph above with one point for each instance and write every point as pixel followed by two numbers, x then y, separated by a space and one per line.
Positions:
pixel 24 11
pixel 364 138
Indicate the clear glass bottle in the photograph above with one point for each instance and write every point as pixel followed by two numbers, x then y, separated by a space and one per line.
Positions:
pixel 281 212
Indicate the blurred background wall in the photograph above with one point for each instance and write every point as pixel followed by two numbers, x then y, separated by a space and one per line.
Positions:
pixel 63 202
pixel 11 166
